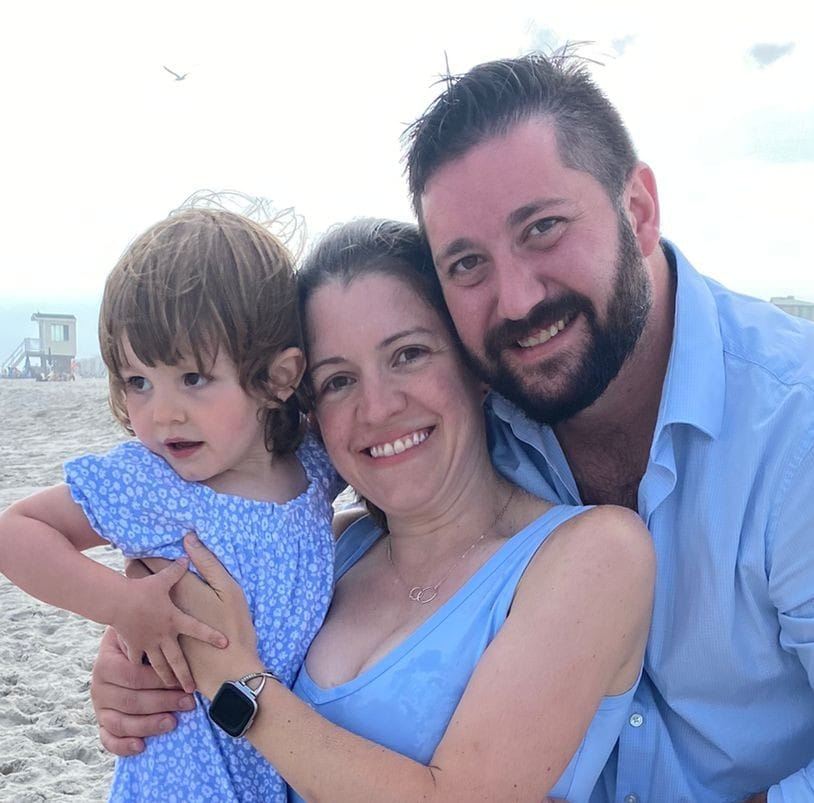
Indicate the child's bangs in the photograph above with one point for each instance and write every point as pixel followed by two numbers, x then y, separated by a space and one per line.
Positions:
pixel 169 332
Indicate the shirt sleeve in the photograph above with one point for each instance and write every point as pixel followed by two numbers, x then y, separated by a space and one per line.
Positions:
pixel 134 500
pixel 318 466
pixel 790 563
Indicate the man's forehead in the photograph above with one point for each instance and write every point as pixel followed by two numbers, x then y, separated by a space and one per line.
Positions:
pixel 499 182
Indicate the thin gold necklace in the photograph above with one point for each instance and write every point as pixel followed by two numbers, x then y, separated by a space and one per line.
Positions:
pixel 426 594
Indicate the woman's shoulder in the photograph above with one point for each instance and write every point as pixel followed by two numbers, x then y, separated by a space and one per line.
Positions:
pixel 596 572
pixel 604 532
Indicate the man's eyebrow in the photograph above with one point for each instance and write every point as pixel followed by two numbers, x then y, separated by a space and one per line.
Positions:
pixel 514 218
pixel 533 208
pixel 456 247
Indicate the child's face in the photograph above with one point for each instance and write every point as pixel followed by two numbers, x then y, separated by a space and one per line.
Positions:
pixel 204 425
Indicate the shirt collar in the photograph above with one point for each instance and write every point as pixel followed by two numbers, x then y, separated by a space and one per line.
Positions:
pixel 695 384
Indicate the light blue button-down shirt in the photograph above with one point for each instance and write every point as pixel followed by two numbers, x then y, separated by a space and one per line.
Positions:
pixel 725 707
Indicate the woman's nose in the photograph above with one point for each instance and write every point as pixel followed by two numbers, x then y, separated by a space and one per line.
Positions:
pixel 381 399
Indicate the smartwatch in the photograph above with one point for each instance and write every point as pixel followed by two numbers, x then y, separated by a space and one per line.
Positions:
pixel 234 707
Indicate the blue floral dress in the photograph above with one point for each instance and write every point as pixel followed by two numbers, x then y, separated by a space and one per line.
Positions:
pixel 282 556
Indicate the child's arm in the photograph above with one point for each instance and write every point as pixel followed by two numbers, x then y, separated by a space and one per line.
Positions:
pixel 41 543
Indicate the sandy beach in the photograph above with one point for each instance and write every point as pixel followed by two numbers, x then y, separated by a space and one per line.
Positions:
pixel 49 749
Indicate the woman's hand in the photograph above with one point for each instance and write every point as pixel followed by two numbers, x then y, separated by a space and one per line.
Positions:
pixel 220 602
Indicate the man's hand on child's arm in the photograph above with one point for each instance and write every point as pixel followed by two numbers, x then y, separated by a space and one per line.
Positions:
pixel 130 700
pixel 149 622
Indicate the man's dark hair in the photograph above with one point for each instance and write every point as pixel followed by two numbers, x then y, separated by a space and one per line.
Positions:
pixel 492 97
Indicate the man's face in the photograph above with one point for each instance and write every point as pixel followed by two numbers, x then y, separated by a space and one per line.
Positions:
pixel 542 273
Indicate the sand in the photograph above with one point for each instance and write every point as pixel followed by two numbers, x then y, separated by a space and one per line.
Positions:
pixel 49 746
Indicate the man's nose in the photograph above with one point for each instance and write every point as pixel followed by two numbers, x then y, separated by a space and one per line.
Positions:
pixel 519 287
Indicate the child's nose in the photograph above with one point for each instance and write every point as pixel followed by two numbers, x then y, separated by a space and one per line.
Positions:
pixel 167 408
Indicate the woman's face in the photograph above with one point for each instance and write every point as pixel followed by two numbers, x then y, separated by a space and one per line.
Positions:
pixel 400 414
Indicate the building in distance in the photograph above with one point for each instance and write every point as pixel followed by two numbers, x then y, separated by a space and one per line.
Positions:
pixel 795 306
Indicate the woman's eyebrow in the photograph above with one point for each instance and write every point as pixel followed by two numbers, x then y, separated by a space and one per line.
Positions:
pixel 417 330
pixel 327 361
pixel 388 341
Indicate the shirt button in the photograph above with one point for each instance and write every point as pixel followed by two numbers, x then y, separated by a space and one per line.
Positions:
pixel 636 720
pixel 631 799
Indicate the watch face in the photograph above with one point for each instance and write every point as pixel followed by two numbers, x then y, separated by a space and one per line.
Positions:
pixel 232 709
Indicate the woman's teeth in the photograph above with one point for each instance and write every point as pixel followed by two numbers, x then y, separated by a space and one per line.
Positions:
pixel 399 445
pixel 544 335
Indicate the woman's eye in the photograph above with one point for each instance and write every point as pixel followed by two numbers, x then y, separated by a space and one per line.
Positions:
pixel 137 383
pixel 194 380
pixel 409 354
pixel 336 383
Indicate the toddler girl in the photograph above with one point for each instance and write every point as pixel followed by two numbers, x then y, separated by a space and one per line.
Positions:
pixel 199 331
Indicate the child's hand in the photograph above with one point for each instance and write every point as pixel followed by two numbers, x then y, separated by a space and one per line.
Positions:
pixel 148 621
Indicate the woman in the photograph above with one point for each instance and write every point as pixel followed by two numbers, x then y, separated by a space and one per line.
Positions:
pixel 482 644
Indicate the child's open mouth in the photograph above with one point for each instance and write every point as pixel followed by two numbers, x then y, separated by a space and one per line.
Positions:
pixel 183 448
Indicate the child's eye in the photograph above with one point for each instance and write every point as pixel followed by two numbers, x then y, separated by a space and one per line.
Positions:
pixel 195 380
pixel 137 383
pixel 409 354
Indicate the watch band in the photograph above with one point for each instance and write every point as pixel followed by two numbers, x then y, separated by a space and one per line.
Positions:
pixel 234 707
pixel 264 676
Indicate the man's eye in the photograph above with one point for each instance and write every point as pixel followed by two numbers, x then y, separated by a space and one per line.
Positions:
pixel 543 226
pixel 194 380
pixel 409 354
pixel 137 383
pixel 465 264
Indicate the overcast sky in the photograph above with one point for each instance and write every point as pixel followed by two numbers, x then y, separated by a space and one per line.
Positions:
pixel 304 104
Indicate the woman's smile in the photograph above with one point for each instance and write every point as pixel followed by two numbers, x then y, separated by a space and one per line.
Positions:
pixel 399 445
pixel 391 391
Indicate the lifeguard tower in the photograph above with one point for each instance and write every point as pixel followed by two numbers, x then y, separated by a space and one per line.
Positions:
pixel 54 350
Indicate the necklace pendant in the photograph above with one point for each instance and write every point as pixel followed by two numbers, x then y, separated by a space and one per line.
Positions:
pixel 423 594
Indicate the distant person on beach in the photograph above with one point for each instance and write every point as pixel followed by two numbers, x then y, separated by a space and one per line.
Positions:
pixel 200 333
pixel 622 375
pixel 489 640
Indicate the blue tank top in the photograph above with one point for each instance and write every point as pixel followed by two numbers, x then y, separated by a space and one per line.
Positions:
pixel 406 700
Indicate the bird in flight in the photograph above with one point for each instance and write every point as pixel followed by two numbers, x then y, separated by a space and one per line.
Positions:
pixel 177 76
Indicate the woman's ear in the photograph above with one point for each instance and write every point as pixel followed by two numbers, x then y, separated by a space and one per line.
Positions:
pixel 285 372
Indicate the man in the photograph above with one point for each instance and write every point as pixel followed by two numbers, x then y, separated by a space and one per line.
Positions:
pixel 625 377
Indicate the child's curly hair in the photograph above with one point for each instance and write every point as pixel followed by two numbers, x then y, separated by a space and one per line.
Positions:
pixel 199 281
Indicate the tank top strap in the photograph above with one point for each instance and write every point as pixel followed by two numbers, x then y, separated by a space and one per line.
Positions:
pixel 508 565
pixel 354 542
pixel 513 556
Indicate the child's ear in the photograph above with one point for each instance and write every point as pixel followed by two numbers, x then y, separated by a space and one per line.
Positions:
pixel 285 372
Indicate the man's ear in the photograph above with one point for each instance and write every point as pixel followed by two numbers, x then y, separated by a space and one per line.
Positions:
pixel 285 372
pixel 642 207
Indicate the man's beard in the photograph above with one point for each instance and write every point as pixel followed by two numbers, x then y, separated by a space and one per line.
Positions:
pixel 609 343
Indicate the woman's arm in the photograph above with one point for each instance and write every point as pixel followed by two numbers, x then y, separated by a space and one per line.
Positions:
pixel 41 542
pixel 576 633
